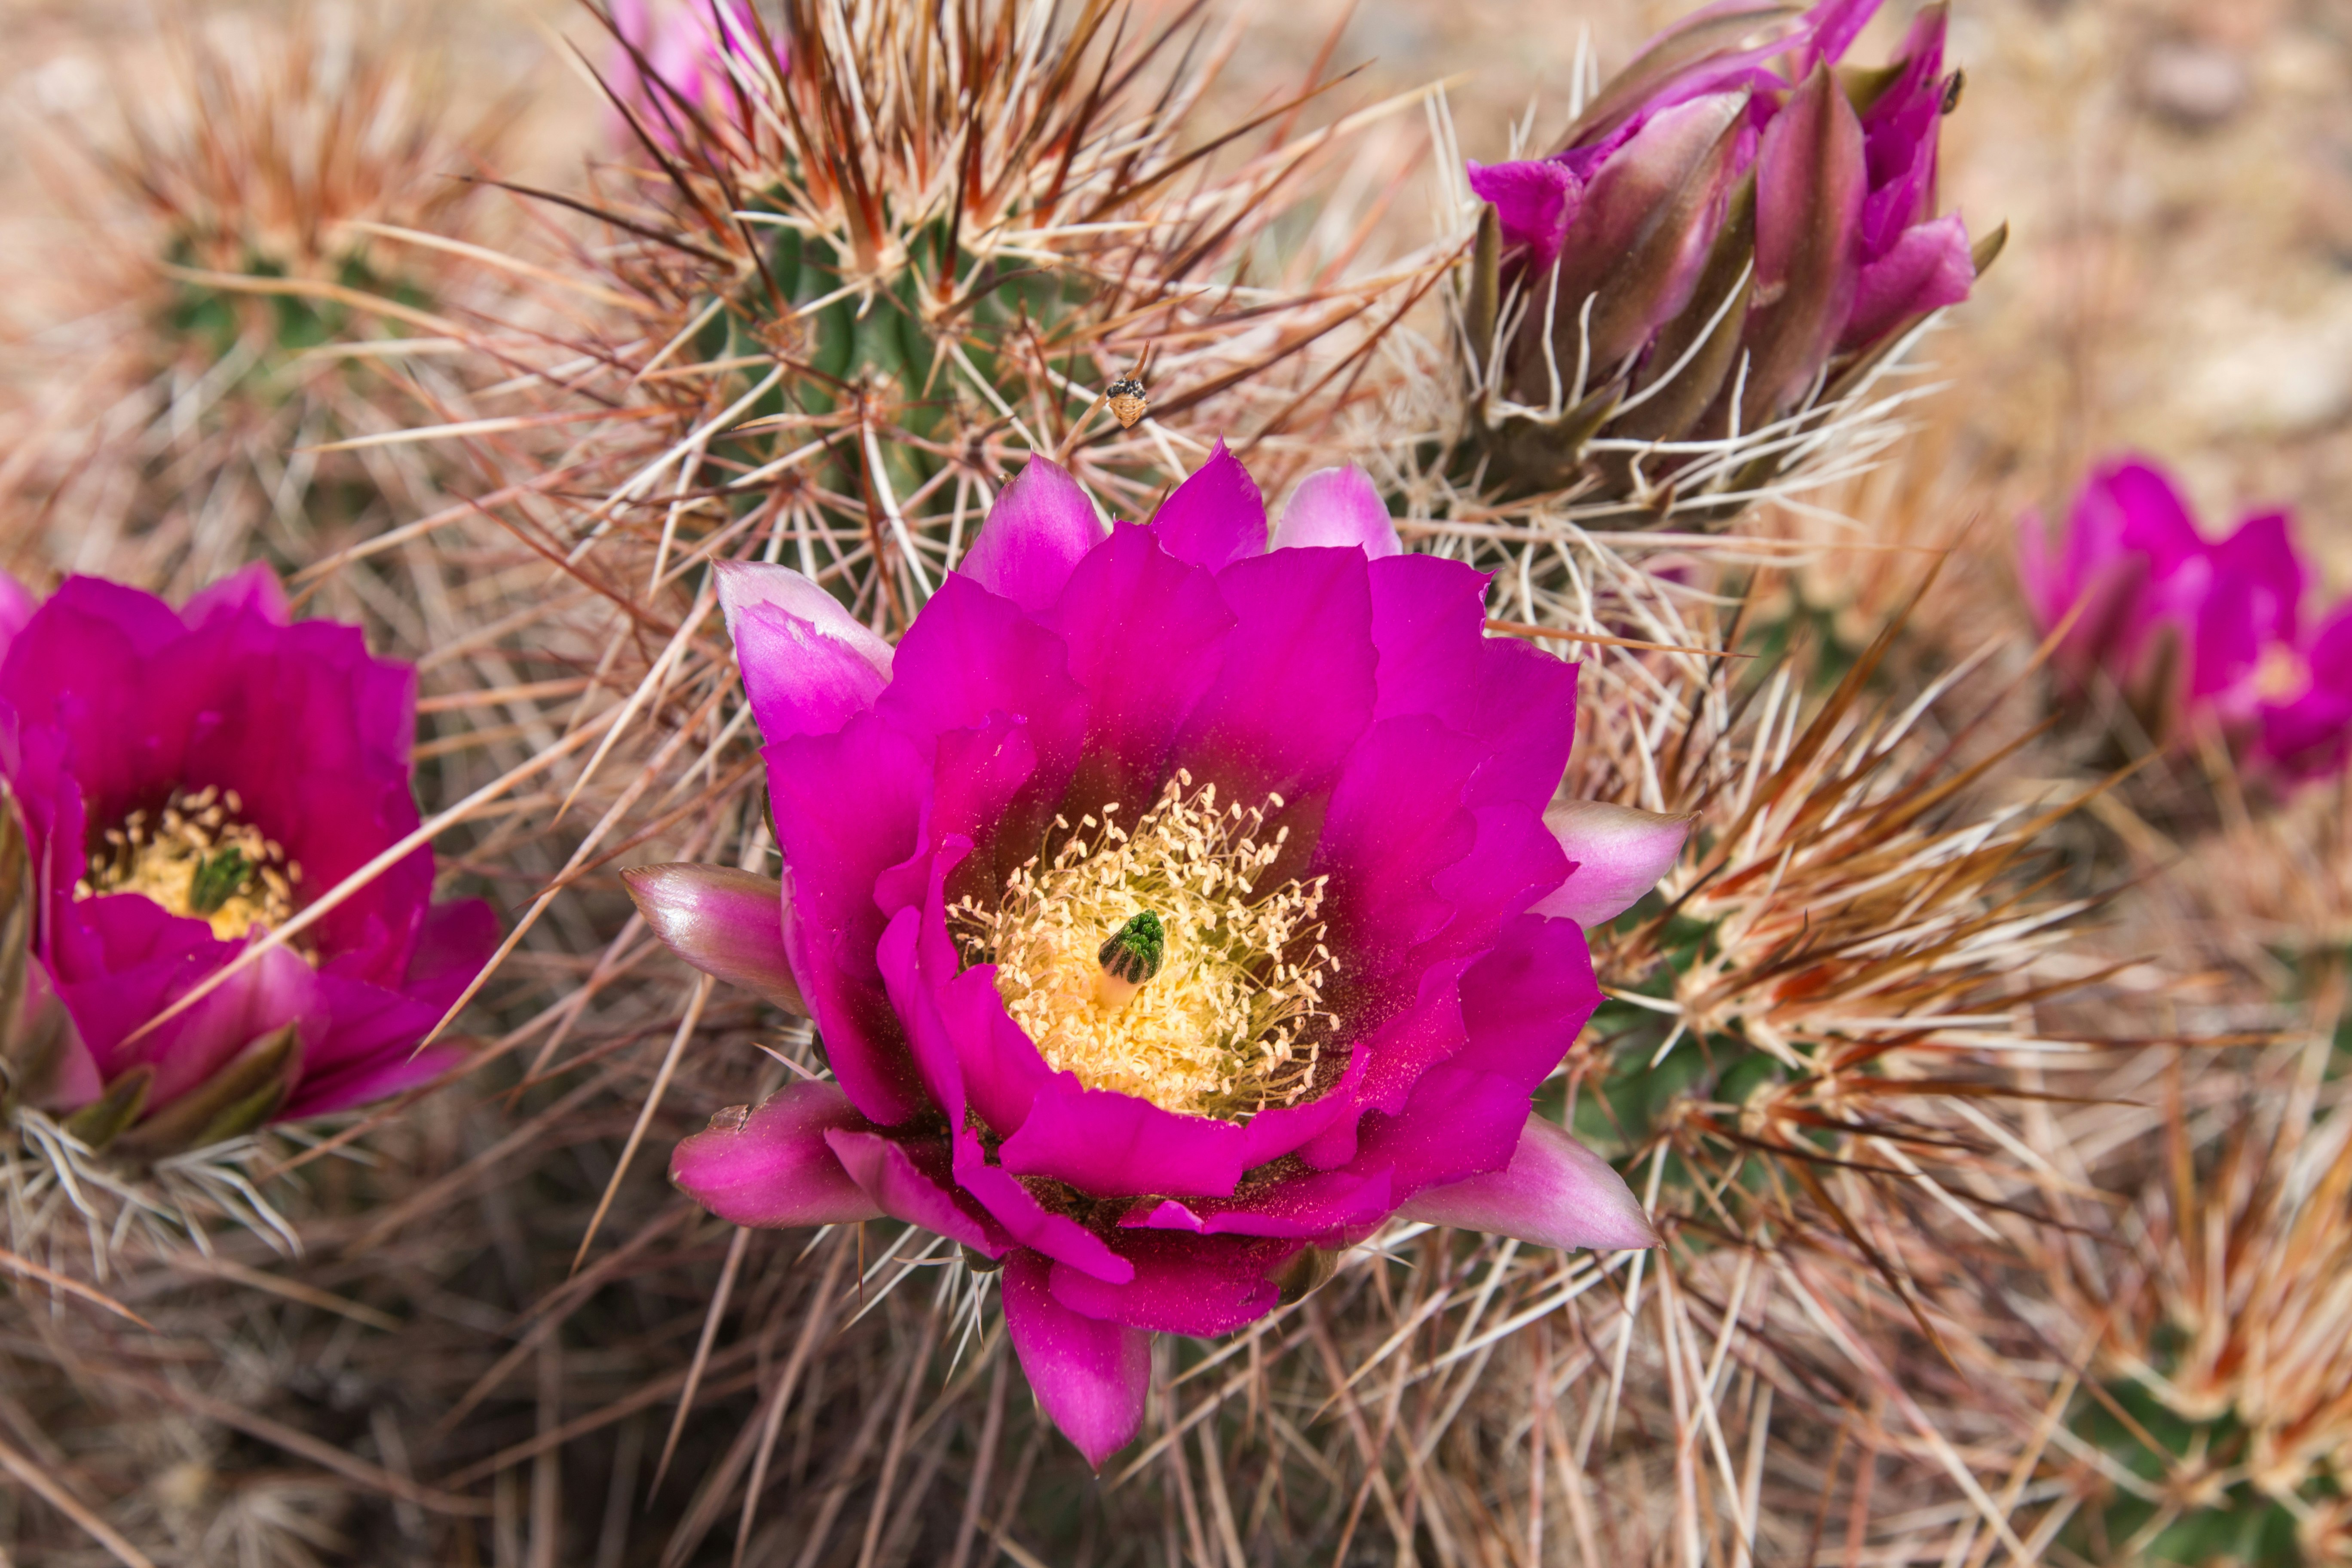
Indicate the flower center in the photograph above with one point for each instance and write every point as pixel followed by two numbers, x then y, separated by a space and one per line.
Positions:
pixel 1150 963
pixel 198 858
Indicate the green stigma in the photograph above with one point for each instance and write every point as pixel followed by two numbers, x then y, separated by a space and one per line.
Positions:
pixel 1135 950
pixel 218 879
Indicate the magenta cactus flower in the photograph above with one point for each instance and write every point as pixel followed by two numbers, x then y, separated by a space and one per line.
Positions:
pixel 2193 632
pixel 1171 909
pixel 187 781
pixel 1731 217
pixel 671 56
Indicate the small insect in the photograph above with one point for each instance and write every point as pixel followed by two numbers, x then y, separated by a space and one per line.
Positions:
pixel 1127 402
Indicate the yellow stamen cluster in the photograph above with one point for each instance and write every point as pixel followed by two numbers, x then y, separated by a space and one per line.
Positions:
pixel 198 858
pixel 1233 1020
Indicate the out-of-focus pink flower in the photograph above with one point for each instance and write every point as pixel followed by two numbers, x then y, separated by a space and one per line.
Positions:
pixel 1168 905
pixel 673 55
pixel 1733 144
pixel 2193 631
pixel 188 780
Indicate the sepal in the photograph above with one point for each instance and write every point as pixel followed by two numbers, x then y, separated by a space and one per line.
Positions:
pixel 728 923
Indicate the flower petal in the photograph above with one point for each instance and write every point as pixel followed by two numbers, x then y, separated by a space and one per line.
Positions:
pixel 799 680
pixel 1535 201
pixel 1339 507
pixel 1296 687
pixel 1091 1376
pixel 848 808
pixel 1216 517
pixel 1115 1145
pixel 1395 820
pixel 747 584
pixel 1619 852
pixel 1524 1002
pixel 972 654
pixel 1036 534
pixel 1146 635
pixel 1029 1222
pixel 1428 621
pixel 255 592
pixel 1554 1192
pixel 1183 1284
pixel 773 1166
pixel 1321 1205
pixel 452 942
pixel 909 1182
pixel 15 608
pixel 1927 268
pixel 725 922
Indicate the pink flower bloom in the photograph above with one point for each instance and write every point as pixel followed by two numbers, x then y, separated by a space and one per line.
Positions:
pixel 188 780
pixel 1732 127
pixel 672 55
pixel 2193 631
pixel 1168 905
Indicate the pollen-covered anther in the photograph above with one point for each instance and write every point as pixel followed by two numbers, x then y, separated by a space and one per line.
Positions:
pixel 1207 997
pixel 198 858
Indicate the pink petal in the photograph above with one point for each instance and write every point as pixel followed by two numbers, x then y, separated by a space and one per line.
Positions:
pixel 1619 852
pixel 848 806
pixel 1092 1377
pixel 1029 1222
pixel 1302 626
pixel 1535 201
pixel 17 605
pixel 801 681
pixel 1115 1145
pixel 1337 506
pixel 725 922
pixel 1183 1284
pixel 1554 1192
pixel 1927 268
pixel 899 1185
pixel 808 667
pixel 773 1166
pixel 1129 595
pixel 255 591
pixel 744 584
pixel 1040 527
pixel 1214 518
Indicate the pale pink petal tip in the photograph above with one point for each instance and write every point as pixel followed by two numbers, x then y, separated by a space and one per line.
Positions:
pixel 1337 506
pixel 1555 1193
pixel 1619 852
pixel 725 922
pixel 773 1166
pixel 745 584
pixel 16 606
pixel 1090 1376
